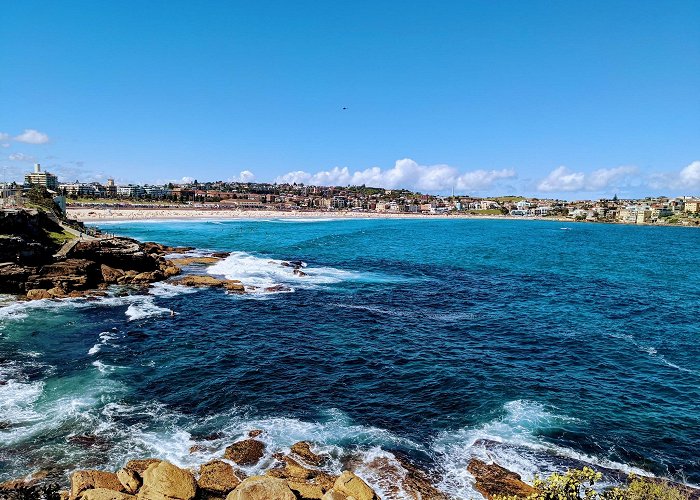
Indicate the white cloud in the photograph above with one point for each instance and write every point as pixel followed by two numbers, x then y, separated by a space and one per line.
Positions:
pixel 4 136
pixel 690 175
pixel 687 178
pixel 244 176
pixel 20 157
pixel 5 144
pixel 32 136
pixel 562 179
pixel 406 174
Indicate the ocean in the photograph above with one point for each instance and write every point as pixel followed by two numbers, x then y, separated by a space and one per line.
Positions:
pixel 537 344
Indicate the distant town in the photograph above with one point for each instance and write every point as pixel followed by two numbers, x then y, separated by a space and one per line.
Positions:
pixel 683 210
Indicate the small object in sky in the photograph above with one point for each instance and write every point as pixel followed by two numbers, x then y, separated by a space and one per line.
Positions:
pixel 344 108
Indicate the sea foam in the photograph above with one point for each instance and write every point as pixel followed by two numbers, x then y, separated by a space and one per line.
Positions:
pixel 264 272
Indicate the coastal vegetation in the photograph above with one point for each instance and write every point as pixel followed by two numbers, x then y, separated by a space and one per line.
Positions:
pixel 579 484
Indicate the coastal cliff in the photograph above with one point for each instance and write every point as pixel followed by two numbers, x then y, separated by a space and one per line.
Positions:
pixel 43 257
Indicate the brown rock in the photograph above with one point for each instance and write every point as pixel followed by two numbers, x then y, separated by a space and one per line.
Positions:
pixel 105 494
pixel 199 281
pixel 246 452
pixel 294 472
pixel 255 433
pixel 190 261
pixel 165 481
pixel 262 488
pixel 171 271
pixel 352 486
pixel 234 286
pixel 38 293
pixel 306 491
pixel 88 479
pixel 398 477
pixel 110 274
pixel 148 277
pixel 303 450
pixel 493 480
pixel 130 480
pixel 299 272
pixel 217 477
pixel 334 495
pixel 140 466
pixel 12 484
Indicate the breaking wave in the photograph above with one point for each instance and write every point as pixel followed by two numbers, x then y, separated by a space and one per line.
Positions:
pixel 262 272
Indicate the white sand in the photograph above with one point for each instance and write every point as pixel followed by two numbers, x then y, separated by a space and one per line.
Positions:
pixel 105 213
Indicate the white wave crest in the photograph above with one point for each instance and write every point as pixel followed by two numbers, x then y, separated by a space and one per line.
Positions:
pixel 145 308
pixel 167 291
pixel 263 272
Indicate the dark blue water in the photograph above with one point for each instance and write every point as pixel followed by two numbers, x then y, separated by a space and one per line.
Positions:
pixel 421 336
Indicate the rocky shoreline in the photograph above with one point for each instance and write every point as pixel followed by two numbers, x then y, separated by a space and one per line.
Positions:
pixel 299 474
pixel 35 266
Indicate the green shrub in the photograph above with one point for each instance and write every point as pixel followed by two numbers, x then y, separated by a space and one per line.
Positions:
pixel 577 484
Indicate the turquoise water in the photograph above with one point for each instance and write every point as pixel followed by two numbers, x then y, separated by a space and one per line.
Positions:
pixel 521 341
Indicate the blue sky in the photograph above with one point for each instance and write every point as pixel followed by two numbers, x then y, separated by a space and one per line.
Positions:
pixel 570 99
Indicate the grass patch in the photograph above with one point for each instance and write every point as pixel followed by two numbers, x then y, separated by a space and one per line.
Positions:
pixel 60 238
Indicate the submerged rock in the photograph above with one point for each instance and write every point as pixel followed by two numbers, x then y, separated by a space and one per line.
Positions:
pixel 493 480
pixel 246 452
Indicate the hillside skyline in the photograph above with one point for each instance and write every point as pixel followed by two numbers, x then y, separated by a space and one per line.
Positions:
pixel 569 101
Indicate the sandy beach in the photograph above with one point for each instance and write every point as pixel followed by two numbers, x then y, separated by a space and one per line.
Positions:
pixel 106 214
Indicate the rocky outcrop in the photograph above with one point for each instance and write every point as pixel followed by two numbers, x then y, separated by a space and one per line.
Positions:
pixel 140 465
pixel 351 485
pixel 130 480
pixel 84 480
pixel 246 452
pixel 400 478
pixel 303 450
pixel 218 478
pixel 191 261
pixel 493 480
pixel 165 481
pixel 262 488
pixel 30 260
pixel 105 494
pixel 200 281
pixel 306 482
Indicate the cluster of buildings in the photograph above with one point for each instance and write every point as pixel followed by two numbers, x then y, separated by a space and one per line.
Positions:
pixel 361 198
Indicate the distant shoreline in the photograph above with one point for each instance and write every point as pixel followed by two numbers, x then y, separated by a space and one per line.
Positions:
pixel 135 214
pixel 123 214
